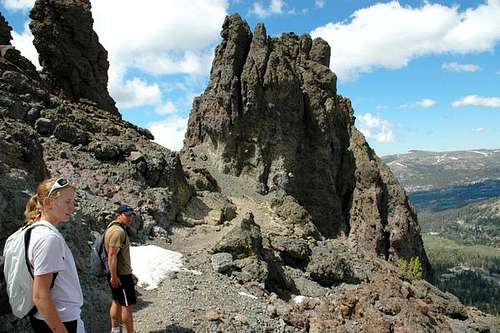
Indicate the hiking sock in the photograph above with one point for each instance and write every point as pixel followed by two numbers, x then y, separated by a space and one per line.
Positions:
pixel 117 329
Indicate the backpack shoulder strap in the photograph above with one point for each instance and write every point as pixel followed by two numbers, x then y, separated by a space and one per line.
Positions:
pixel 27 237
pixel 112 224
pixel 104 234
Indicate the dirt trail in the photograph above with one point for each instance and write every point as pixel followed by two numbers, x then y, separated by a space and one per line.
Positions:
pixel 209 302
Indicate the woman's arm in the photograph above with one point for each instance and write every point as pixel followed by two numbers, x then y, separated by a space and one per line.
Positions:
pixel 44 304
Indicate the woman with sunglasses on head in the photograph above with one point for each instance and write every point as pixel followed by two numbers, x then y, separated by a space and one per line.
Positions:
pixel 57 294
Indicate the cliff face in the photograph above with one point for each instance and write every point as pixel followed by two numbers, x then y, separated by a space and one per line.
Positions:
pixel 46 133
pixel 271 113
pixel 75 63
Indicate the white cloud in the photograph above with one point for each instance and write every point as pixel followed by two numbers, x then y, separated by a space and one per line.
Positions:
pixel 457 68
pixel 478 130
pixel 15 5
pixel 376 128
pixel 389 35
pixel 319 3
pixel 475 100
pixel 156 38
pixel 24 43
pixel 189 62
pixel 167 108
pixel 424 104
pixel 135 92
pixel 170 132
pixel 275 7
pixel 294 11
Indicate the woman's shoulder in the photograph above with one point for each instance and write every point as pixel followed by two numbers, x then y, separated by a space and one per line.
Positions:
pixel 44 235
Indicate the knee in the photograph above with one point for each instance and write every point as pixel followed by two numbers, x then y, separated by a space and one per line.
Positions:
pixel 128 309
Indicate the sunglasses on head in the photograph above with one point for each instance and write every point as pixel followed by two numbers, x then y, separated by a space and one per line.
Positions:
pixel 58 184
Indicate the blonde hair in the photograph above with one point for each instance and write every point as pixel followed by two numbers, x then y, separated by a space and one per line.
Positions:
pixel 33 210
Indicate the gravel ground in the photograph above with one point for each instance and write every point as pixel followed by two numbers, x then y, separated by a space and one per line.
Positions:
pixel 206 302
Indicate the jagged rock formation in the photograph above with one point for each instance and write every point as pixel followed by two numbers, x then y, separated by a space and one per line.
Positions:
pixel 386 304
pixel 331 215
pixel 45 134
pixel 271 113
pixel 5 29
pixel 75 63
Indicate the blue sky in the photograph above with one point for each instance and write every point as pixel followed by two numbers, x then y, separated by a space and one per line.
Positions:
pixel 420 75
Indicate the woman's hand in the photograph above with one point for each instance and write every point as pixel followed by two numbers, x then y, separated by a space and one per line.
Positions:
pixel 44 304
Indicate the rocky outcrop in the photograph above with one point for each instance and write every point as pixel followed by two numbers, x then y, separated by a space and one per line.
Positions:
pixel 386 304
pixel 243 240
pixel 44 133
pixel 271 114
pixel 72 58
pixel 5 29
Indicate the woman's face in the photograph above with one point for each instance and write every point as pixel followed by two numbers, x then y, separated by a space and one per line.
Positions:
pixel 62 206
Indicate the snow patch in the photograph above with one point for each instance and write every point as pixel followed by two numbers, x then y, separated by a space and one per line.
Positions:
pixel 441 158
pixel 151 264
pixel 397 164
pixel 298 299
pixel 192 271
pixel 242 293
pixel 480 152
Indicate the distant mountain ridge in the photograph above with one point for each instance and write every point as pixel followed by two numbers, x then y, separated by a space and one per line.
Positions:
pixel 426 170
pixel 456 193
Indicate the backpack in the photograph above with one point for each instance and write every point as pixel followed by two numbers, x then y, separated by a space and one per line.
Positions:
pixel 98 255
pixel 18 271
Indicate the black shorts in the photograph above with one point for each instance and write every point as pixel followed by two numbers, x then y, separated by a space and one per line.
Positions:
pixel 125 293
pixel 39 326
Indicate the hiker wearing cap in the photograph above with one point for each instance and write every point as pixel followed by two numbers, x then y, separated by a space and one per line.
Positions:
pixel 57 294
pixel 116 243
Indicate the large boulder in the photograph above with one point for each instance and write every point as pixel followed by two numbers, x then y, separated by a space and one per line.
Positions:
pixel 243 240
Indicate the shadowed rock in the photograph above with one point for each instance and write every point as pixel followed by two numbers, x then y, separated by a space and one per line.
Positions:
pixel 75 62
pixel 5 29
pixel 271 113
pixel 243 240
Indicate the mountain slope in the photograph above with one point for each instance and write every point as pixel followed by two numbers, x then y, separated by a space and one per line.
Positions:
pixel 424 170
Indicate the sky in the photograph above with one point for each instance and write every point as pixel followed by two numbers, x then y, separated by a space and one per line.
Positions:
pixel 420 74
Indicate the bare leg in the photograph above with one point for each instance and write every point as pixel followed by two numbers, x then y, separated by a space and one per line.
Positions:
pixel 127 318
pixel 115 312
